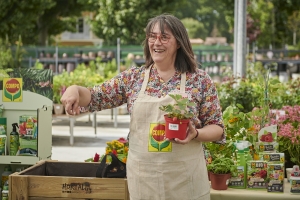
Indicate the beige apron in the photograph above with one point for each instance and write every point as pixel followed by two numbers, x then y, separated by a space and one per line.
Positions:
pixel 174 171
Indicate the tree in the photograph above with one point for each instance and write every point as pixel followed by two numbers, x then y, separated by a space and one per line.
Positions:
pixel 215 15
pixel 194 28
pixel 37 20
pixel 127 19
pixel 272 18
pixel 293 24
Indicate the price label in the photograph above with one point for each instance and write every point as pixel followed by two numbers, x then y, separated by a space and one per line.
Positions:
pixel 174 127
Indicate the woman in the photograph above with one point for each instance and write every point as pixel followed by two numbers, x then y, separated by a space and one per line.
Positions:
pixel 179 173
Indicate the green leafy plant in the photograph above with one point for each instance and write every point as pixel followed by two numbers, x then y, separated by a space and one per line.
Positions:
pixel 83 76
pixel 179 109
pixel 222 165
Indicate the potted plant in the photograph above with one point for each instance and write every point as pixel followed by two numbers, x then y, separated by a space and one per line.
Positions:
pixel 220 171
pixel 177 117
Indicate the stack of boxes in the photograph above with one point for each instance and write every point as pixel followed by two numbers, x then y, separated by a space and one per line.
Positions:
pixel 268 171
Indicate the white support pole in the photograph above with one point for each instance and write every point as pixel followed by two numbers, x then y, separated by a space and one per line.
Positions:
pixel 240 45
pixel 118 63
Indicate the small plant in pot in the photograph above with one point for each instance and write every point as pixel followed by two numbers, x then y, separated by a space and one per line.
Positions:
pixel 220 171
pixel 177 117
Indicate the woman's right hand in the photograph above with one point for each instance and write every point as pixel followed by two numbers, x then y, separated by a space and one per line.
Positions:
pixel 70 100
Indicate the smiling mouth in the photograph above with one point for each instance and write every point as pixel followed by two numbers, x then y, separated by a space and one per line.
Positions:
pixel 158 51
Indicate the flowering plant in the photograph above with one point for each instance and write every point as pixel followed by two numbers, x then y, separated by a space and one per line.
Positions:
pixel 118 147
pixel 289 132
pixel 178 110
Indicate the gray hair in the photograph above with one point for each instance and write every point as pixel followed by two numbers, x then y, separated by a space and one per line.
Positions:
pixel 185 60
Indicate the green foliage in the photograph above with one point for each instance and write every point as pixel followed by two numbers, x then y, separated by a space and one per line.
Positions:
pixel 222 166
pixel 257 89
pixel 38 20
pixel 179 109
pixel 87 76
pixel 194 28
pixel 219 150
pixel 123 19
pixel 10 59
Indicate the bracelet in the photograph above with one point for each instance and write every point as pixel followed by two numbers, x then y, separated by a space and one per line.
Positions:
pixel 196 134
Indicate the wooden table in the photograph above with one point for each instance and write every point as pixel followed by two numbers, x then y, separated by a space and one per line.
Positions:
pixel 246 194
pixel 72 119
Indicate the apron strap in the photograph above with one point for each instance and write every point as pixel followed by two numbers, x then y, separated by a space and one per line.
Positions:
pixel 146 78
pixel 182 83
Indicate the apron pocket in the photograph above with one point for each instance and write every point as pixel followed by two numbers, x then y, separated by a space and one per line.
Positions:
pixel 176 181
pixel 149 181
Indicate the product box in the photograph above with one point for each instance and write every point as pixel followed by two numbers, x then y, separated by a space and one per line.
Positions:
pixel 3 145
pixel 268 134
pixel 267 146
pixel 295 184
pixel 275 177
pixel 2 126
pixel 65 180
pixel 239 180
pixel 272 157
pixel 28 134
pixel 257 174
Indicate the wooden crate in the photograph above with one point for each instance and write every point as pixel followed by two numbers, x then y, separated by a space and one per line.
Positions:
pixel 51 180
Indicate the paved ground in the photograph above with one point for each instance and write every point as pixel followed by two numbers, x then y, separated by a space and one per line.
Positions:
pixel 86 144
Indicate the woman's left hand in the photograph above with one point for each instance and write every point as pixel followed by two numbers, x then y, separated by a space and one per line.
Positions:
pixel 191 133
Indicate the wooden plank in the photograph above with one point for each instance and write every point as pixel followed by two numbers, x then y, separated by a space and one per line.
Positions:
pixel 33 184
pixel 18 187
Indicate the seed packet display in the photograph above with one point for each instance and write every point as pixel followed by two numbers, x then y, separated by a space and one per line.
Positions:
pixel 275 177
pixel 257 174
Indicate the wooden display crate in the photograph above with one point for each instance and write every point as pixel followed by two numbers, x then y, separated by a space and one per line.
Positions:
pixel 65 180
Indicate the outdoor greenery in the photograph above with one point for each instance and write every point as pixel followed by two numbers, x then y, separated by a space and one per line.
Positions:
pixel 273 22
pixel 129 20
pixel 37 21
pixel 97 72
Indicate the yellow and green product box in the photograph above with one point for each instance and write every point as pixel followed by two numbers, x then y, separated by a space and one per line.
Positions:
pixel 275 177
pixel 272 157
pixel 257 174
pixel 28 134
pixel 266 146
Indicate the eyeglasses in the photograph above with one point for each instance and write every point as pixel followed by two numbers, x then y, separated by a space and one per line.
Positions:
pixel 152 37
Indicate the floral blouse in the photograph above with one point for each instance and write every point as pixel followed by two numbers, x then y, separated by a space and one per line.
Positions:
pixel 125 87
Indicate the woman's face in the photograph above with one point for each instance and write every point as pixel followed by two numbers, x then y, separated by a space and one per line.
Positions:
pixel 163 48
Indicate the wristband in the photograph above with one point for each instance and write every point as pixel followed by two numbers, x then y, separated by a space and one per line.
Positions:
pixel 196 134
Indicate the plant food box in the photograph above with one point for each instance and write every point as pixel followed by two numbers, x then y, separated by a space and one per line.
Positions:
pixel 295 184
pixel 267 146
pixel 268 134
pixel 28 134
pixel 275 177
pixel 272 157
pixel 239 180
pixel 257 174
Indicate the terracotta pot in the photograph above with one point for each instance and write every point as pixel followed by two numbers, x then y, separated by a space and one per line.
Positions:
pixel 219 181
pixel 176 128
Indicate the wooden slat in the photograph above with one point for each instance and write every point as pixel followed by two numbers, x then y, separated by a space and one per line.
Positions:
pixel 18 188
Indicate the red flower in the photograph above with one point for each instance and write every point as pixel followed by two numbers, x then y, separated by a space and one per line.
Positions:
pixel 96 157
